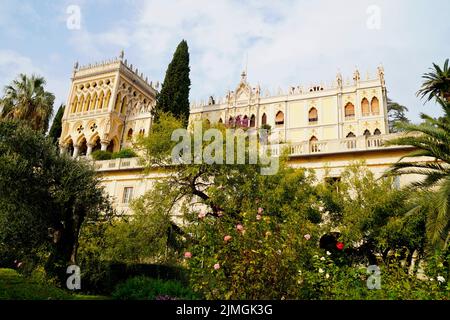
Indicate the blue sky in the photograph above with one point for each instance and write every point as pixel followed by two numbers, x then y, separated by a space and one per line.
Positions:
pixel 287 42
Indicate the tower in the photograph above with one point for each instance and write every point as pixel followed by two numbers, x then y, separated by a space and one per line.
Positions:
pixel 109 104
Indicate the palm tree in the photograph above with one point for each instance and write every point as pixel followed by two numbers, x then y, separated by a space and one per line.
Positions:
pixel 437 83
pixel 431 139
pixel 26 99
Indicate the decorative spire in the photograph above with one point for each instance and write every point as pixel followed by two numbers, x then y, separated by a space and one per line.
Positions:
pixel 244 76
pixel 121 55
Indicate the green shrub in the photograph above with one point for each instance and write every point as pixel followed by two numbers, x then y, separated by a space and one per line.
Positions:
pixel 124 153
pixel 144 288
pixel 101 155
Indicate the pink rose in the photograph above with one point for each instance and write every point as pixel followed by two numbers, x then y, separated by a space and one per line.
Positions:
pixel 216 266
pixel 240 227
pixel 258 217
pixel 307 236
pixel 227 238
pixel 202 214
pixel 260 210
pixel 187 255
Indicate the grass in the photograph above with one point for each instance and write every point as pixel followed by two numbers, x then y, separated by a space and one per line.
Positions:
pixel 14 286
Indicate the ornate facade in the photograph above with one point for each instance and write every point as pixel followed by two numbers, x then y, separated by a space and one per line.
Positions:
pixel 109 103
pixel 325 127
pixel 320 113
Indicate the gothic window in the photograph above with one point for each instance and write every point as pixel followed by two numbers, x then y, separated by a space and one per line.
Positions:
pixel 313 117
pixel 375 105
pixel 264 119
pixel 100 101
pixel 245 121
pixel 83 148
pixel 74 104
pixel 220 121
pixel 252 121
pixel 87 103
pixel 366 133
pixel 80 104
pixel 118 102
pixel 365 107
pixel 130 134
pixel 377 132
pixel 349 110
pixel 350 135
pixel 106 101
pixel 231 121
pixel 123 108
pixel 313 146
pixel 279 118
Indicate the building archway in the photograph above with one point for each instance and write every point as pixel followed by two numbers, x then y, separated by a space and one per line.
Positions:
pixel 252 121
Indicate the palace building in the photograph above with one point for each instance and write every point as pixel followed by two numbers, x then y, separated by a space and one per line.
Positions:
pixel 325 127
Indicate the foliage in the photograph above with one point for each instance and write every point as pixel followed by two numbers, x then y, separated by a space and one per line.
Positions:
pixel 144 288
pixel 13 286
pixel 56 128
pixel 396 114
pixel 101 155
pixel 431 139
pixel 174 94
pixel 372 214
pixel 47 198
pixel 26 99
pixel 124 153
pixel 436 83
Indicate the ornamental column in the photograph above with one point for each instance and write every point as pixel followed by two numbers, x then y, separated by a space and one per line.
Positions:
pixel 90 146
pixel 76 149
pixel 105 144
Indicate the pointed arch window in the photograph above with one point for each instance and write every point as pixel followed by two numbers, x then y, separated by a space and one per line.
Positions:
pixel 313 116
pixel 264 119
pixel 252 121
pixel 365 110
pixel 349 111
pixel 375 106
pixel 279 118
pixel 377 132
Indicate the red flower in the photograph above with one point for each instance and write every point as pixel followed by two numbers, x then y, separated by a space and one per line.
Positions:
pixel 340 245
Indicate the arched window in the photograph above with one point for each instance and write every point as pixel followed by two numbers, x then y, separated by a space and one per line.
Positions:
pixel 111 146
pixel 80 104
pixel 70 147
pixel 207 122
pixel 130 134
pixel 97 144
pixel 231 121
pixel 312 115
pixel 264 119
pixel 93 102
pixel 313 147
pixel 237 121
pixel 349 110
pixel 366 133
pixel 106 100
pixel 350 135
pixel 365 107
pixel 351 143
pixel 100 101
pixel 87 103
pixel 220 121
pixel 245 121
pixel 377 132
pixel 82 148
pixel 74 105
pixel 252 121
pixel 279 118
pixel 375 106
pixel 123 108
pixel 118 102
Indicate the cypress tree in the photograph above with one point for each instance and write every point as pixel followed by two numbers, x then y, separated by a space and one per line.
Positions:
pixel 56 128
pixel 174 94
